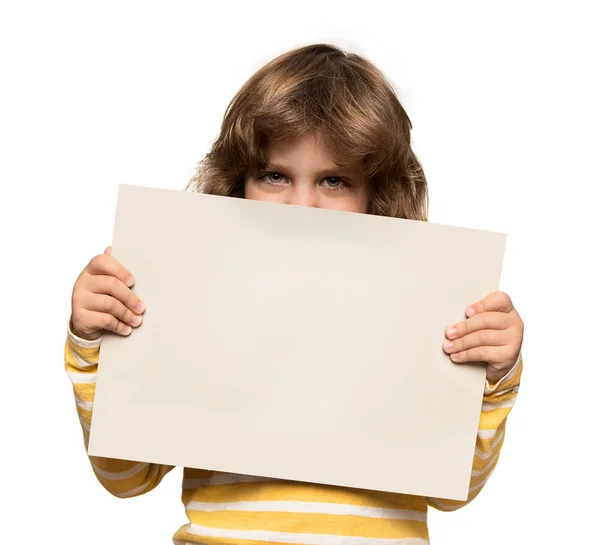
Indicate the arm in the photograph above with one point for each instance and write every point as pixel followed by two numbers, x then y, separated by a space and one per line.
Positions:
pixel 498 401
pixel 122 478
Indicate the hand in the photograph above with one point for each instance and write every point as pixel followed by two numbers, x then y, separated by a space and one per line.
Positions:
pixel 492 333
pixel 102 299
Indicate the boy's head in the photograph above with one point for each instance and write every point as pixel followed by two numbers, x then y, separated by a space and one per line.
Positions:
pixel 302 171
pixel 318 111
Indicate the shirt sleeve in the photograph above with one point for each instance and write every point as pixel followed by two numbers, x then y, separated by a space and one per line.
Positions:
pixel 122 478
pixel 498 401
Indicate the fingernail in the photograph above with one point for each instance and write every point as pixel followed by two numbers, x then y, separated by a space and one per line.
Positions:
pixel 127 330
pixel 136 320
pixel 455 357
pixel 452 332
pixel 448 345
pixel 140 307
pixel 130 281
pixel 470 311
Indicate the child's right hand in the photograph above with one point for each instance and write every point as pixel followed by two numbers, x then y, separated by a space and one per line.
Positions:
pixel 102 299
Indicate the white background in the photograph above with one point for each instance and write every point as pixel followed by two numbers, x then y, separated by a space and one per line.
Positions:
pixel 504 102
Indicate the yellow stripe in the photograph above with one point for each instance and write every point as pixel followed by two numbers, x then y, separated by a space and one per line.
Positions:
pixel 490 420
pixel 84 414
pixel 278 491
pixel 191 473
pixel 485 445
pixel 229 541
pixel 491 423
pixel 479 478
pixel 183 535
pixel 90 355
pixel 500 398
pixel 449 503
pixel 144 477
pixel 310 523
pixel 480 463
pixel 120 487
pixel 113 465
pixel 70 369
pixel 85 392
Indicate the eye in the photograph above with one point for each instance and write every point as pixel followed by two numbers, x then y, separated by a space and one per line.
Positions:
pixel 334 182
pixel 272 178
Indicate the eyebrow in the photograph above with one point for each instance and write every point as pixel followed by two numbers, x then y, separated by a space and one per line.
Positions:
pixel 329 171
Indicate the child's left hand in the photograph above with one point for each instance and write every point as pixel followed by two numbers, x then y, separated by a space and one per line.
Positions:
pixel 492 333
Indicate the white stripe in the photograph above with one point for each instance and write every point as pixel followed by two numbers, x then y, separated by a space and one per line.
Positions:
pixel 87 405
pixel 304 539
pixel 81 363
pixel 82 378
pixel 120 475
pixel 479 473
pixel 476 487
pixel 84 424
pixel 225 478
pixel 445 506
pixel 140 489
pixel 83 343
pixel 321 508
pixel 131 493
pixel 436 501
pixel 486 434
pixel 488 406
pixel 164 469
pixel 486 455
pixel 499 393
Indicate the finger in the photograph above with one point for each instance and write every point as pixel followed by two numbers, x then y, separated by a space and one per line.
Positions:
pixel 484 337
pixel 497 301
pixel 487 320
pixel 108 250
pixel 109 305
pixel 492 355
pixel 110 285
pixel 105 264
pixel 108 322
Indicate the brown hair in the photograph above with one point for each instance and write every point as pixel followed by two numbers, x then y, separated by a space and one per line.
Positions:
pixel 341 95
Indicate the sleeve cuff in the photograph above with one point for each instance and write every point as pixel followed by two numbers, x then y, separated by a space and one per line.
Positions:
pixel 510 380
pixel 82 343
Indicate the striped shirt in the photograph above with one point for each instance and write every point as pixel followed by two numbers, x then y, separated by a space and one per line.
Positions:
pixel 228 509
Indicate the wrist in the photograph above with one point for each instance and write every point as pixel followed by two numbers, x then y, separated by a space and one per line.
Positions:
pixel 84 339
pixel 507 380
pixel 85 336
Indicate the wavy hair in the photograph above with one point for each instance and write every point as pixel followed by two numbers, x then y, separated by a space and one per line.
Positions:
pixel 341 95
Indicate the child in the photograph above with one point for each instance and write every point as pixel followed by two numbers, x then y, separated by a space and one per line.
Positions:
pixel 314 127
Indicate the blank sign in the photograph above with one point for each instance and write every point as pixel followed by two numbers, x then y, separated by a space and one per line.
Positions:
pixel 294 343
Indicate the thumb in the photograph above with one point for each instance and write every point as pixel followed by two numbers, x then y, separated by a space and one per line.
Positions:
pixel 108 250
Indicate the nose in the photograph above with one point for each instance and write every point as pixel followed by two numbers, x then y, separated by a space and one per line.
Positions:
pixel 304 194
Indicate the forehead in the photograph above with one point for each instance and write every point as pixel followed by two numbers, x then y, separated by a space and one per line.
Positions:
pixel 308 150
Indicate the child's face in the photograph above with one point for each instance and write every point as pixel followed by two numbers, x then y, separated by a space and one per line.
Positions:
pixel 303 172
